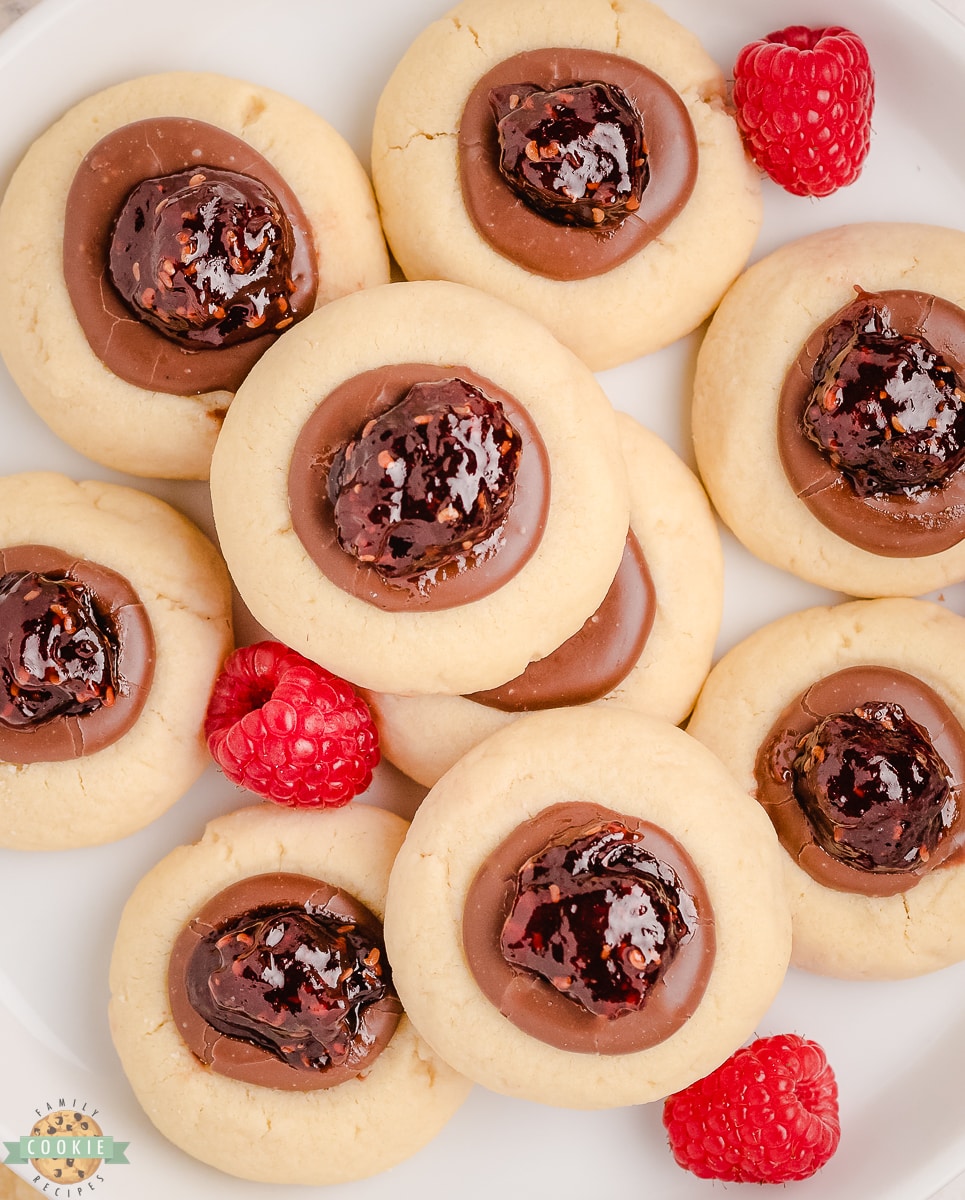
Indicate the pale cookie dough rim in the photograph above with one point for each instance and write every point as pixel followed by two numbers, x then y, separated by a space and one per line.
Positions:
pixel 441 323
pixel 42 341
pixel 119 789
pixel 838 933
pixel 351 848
pixel 424 735
pixel 738 382
pixel 718 225
pixel 627 762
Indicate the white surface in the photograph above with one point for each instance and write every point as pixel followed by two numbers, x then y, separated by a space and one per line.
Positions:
pixel 898 1049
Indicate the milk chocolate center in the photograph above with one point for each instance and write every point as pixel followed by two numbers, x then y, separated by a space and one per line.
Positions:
pixel 598 657
pixel 128 346
pixel 535 1005
pixel 531 240
pixel 294 973
pixel 477 573
pixel 843 692
pixel 894 525
pixel 63 736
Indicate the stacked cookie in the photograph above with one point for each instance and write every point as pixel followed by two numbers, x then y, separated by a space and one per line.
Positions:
pixel 421 489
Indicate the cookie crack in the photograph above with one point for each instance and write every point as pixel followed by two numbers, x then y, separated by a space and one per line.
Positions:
pixel 615 9
pixel 425 135
pixel 457 24
pixel 253 112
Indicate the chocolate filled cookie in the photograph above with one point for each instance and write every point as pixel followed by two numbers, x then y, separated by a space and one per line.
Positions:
pixel 421 489
pixel 253 1004
pixel 829 394
pixel 115 618
pixel 158 238
pixel 647 647
pixel 586 912
pixel 575 160
pixel 846 724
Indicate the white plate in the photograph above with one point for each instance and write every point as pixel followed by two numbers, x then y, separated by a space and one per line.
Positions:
pixel 898 1049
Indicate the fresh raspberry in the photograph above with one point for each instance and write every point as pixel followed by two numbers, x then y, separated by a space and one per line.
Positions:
pixel 804 99
pixel 769 1114
pixel 287 729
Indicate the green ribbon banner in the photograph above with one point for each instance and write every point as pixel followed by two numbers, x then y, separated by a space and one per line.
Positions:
pixel 104 1148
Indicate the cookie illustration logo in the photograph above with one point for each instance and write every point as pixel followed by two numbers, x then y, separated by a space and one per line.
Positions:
pixel 67 1147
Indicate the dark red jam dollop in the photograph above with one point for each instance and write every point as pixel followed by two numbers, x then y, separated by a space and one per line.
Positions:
pixel 576 155
pixel 58 650
pixel 875 792
pixel 204 256
pixel 886 410
pixel 598 917
pixel 296 983
pixel 429 480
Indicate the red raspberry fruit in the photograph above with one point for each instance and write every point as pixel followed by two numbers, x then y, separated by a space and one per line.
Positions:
pixel 804 99
pixel 769 1114
pixel 288 730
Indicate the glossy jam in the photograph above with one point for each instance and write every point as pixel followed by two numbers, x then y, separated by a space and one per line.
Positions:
pixel 58 651
pixel 599 918
pixel 295 983
pixel 204 256
pixel 874 790
pixel 426 482
pixel 575 155
pixel 886 409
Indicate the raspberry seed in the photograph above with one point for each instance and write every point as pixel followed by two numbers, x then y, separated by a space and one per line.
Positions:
pixel 290 731
pixel 804 99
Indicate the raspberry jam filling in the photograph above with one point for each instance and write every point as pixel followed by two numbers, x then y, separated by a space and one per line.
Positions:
pixel 282 980
pixel 861 777
pixel 580 167
pixel 871 423
pixel 186 254
pixel 590 930
pixel 427 481
pixel 293 982
pixel 576 154
pixel 872 786
pixel 204 255
pixel 440 478
pixel 76 655
pixel 886 410
pixel 58 649
pixel 599 918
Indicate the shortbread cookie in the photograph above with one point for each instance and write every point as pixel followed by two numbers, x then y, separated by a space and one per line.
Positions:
pixel 877 901
pixel 357 581
pixel 99 373
pixel 661 222
pixel 424 735
pixel 115 618
pixel 223 1112
pixel 878 514
pixel 541 818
